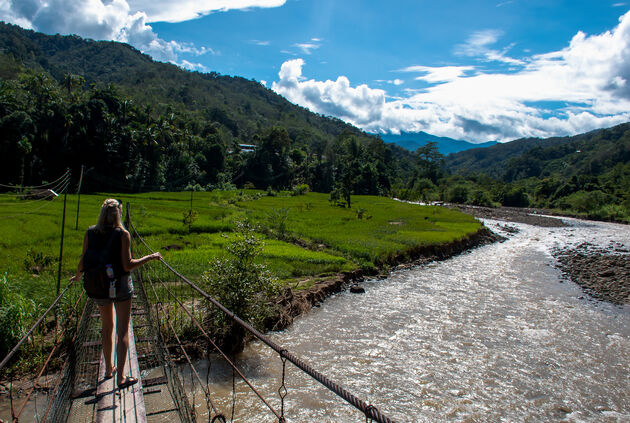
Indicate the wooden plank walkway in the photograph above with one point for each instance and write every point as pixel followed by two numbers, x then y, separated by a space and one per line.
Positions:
pixel 120 405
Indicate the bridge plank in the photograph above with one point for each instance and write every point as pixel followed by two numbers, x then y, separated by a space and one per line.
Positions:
pixel 124 405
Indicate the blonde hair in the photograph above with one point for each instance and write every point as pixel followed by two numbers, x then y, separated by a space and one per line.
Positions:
pixel 110 215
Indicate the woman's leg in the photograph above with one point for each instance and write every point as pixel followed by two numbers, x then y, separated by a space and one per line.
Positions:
pixel 123 314
pixel 107 330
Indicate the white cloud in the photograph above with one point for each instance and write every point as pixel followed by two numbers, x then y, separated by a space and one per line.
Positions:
pixel 478 45
pixel 579 88
pixel 185 10
pixel 360 105
pixel 438 74
pixel 505 3
pixel 193 66
pixel 98 19
pixel 306 47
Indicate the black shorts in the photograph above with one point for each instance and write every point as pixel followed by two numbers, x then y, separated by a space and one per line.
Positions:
pixel 124 292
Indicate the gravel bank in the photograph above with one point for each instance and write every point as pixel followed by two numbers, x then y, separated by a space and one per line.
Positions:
pixel 602 273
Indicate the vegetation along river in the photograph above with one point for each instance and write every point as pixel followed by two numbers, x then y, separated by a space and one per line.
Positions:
pixel 496 334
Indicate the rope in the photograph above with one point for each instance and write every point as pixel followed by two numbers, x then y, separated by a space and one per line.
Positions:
pixel 36 186
pixel 62 190
pixel 367 409
pixel 174 384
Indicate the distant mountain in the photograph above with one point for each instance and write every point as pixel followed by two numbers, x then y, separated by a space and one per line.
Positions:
pixel 592 153
pixel 412 140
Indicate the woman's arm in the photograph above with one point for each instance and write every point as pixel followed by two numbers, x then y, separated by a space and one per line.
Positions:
pixel 130 263
pixel 80 265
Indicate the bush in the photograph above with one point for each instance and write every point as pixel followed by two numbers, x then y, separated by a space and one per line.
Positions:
pixel 300 189
pixel 16 313
pixel 241 285
pixel 584 202
pixel 480 198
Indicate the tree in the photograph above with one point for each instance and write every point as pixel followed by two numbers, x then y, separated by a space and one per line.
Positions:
pixel 429 161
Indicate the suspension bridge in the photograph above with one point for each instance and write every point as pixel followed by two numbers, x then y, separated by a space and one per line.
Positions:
pixel 168 336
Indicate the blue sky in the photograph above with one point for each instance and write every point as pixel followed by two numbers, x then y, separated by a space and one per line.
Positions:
pixel 473 70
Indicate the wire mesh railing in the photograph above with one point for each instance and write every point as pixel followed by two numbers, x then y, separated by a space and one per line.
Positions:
pixel 50 346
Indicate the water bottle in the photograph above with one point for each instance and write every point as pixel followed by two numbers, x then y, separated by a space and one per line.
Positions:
pixel 112 288
pixel 112 282
pixel 109 270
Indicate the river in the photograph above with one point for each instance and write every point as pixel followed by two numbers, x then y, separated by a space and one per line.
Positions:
pixel 492 335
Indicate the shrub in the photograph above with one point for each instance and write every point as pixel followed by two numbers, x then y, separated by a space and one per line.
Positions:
pixel 16 312
pixel 480 198
pixel 516 197
pixel 241 285
pixel 300 189
pixel 277 219
pixel 36 261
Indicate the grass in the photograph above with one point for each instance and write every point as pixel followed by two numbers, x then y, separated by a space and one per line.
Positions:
pixel 338 239
pixel 387 227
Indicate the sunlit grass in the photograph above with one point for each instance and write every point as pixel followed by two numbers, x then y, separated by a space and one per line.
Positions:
pixel 338 239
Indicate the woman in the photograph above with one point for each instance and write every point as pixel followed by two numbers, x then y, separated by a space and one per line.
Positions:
pixel 110 231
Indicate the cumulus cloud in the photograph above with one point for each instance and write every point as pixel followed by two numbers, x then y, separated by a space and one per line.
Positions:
pixel 579 88
pixel 359 105
pixel 98 19
pixel 193 66
pixel 185 10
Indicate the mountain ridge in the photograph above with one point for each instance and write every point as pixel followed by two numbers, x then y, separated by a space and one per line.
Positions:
pixel 413 140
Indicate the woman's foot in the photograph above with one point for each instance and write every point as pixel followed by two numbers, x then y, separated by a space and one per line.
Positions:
pixel 110 374
pixel 127 381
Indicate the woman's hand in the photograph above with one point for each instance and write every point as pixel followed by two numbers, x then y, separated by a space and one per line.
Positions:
pixel 76 277
pixel 156 256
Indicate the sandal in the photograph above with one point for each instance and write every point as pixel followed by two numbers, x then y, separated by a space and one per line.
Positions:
pixel 127 381
pixel 107 377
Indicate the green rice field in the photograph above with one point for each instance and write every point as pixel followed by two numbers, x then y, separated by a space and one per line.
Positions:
pixel 303 236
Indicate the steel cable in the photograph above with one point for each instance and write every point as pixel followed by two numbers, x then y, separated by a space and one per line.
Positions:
pixel 66 173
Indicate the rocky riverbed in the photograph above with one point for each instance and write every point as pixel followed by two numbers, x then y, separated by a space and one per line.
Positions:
pixel 537 217
pixel 603 273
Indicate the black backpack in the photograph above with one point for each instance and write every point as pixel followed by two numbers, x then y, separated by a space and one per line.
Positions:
pixel 95 259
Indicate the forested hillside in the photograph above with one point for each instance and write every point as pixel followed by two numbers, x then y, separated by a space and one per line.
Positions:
pixel 587 173
pixel 136 124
